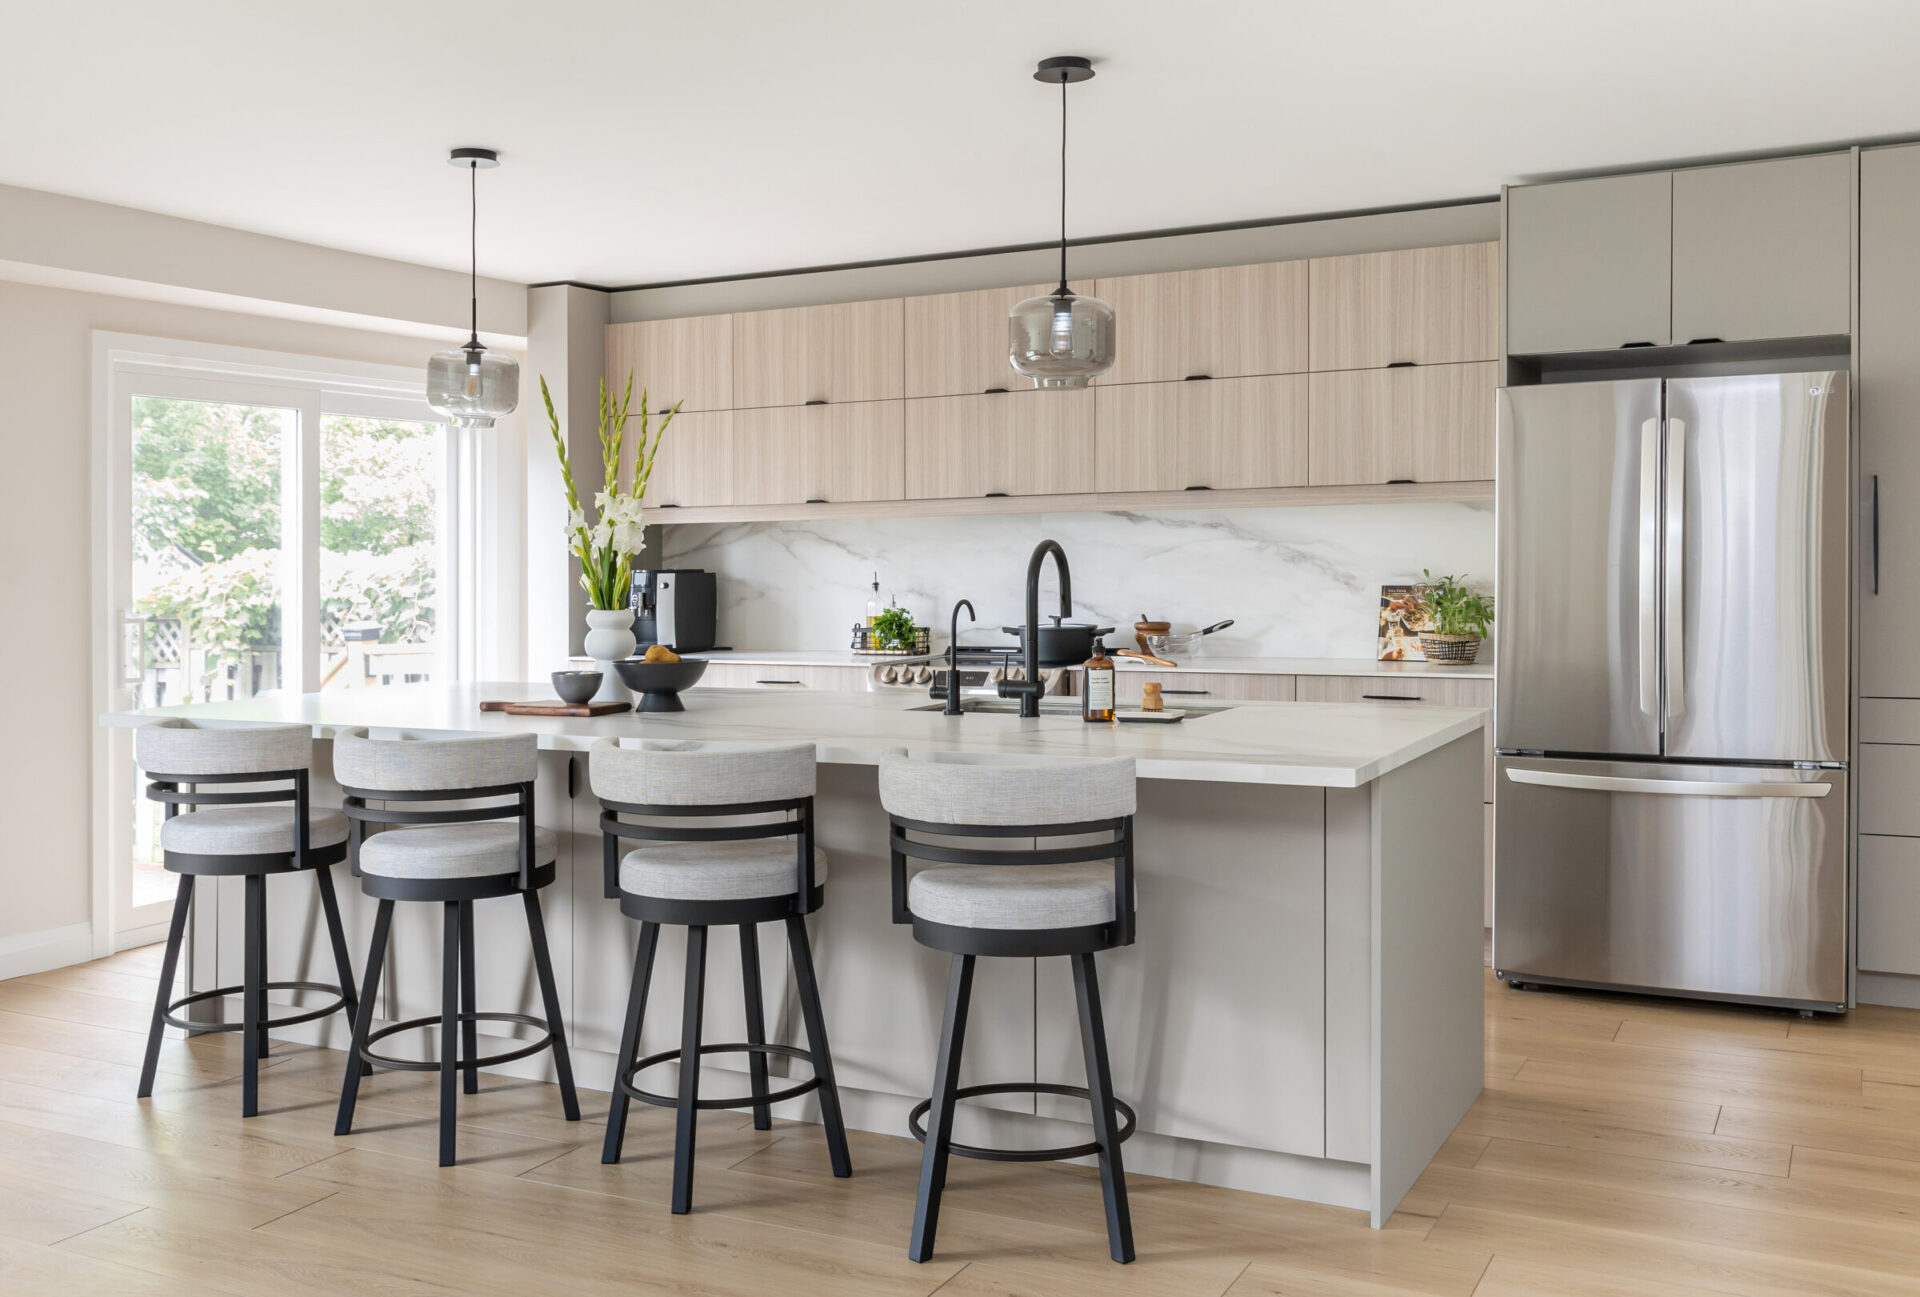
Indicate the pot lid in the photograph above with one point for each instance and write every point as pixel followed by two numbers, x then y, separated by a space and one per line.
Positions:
pixel 1086 626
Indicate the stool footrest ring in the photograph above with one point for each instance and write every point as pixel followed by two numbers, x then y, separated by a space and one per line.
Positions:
pixel 916 1123
pixel 433 1065
pixel 673 1101
pixel 306 1015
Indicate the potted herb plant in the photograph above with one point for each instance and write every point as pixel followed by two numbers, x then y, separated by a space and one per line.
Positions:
pixel 1455 620
pixel 606 543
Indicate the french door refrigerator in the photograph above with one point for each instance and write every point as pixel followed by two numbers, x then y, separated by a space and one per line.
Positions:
pixel 1670 801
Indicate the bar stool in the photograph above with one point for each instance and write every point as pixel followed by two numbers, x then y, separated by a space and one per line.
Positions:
pixel 242 833
pixel 455 856
pixel 705 875
pixel 1026 901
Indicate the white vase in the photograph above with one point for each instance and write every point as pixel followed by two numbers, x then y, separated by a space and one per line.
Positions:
pixel 609 640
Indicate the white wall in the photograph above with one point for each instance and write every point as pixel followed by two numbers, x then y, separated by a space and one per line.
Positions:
pixel 45 536
pixel 1301 582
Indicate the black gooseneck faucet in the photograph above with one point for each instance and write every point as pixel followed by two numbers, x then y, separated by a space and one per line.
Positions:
pixel 1028 691
pixel 953 657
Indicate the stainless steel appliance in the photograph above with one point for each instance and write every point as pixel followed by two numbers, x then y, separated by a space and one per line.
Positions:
pixel 675 607
pixel 1670 800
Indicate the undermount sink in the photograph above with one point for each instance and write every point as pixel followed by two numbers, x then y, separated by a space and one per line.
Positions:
pixel 1049 706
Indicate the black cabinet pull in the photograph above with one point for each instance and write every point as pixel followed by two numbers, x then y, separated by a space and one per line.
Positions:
pixel 1198 378
pixel 776 682
pixel 1876 533
pixel 1402 364
pixel 818 400
pixel 816 501
pixel 1401 481
pixel 996 495
pixel 1196 488
pixel 1194 692
pixel 663 506
pixel 991 391
pixel 1636 344
pixel 572 782
pixel 1392 698
pixel 1694 342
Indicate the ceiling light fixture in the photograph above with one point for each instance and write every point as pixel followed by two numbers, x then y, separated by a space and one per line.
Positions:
pixel 472 386
pixel 1061 339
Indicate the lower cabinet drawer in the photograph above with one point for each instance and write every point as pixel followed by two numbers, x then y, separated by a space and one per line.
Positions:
pixel 1436 690
pixel 1890 904
pixel 1179 688
pixel 1888 775
pixel 745 675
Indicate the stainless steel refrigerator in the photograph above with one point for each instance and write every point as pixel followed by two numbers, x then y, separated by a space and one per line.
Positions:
pixel 1670 800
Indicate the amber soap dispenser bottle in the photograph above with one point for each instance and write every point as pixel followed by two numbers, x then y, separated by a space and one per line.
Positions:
pixel 1096 691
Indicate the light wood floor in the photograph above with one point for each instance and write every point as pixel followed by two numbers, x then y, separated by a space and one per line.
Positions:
pixel 1621 1147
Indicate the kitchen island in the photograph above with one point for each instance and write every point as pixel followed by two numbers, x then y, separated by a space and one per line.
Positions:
pixel 1300 1015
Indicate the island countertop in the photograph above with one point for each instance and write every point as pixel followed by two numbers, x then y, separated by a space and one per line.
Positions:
pixel 1330 745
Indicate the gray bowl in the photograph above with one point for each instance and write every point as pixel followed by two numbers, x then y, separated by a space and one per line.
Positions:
pixel 576 687
pixel 659 683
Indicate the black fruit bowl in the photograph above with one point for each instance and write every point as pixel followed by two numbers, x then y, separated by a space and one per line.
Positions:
pixel 659 683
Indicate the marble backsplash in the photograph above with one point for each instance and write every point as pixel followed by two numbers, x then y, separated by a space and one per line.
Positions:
pixel 1298 582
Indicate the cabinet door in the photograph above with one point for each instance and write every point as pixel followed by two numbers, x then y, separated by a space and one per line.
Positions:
pixel 769 453
pixel 848 351
pixel 1241 432
pixel 1179 688
pixel 854 451
pixel 1039 443
pixel 956 343
pixel 1763 249
pixel 1890 904
pixel 687 360
pixel 944 436
pixel 1421 306
pixel 1243 320
pixel 1430 423
pixel 694 465
pixel 1588 264
pixel 1139 436
pixel 1889 396
pixel 1151 314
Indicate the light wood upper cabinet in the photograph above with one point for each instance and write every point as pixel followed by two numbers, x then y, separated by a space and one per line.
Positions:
pixel 1422 306
pixel 1220 435
pixel 687 360
pixel 1149 317
pixel 1430 423
pixel 956 343
pixel 1013 443
pixel 831 454
pixel 694 465
pixel 1243 320
pixel 849 351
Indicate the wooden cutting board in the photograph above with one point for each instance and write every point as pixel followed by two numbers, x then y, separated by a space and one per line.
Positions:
pixel 554 707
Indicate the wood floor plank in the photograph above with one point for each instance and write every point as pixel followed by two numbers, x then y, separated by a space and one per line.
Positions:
pixel 35 1211
pixel 1844 1134
pixel 31 1270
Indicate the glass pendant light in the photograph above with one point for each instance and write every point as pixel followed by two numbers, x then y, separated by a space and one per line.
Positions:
pixel 1061 339
pixel 472 386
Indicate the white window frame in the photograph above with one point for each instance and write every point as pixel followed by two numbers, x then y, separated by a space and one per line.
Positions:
pixel 127 365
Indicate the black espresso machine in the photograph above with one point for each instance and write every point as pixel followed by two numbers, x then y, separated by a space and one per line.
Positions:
pixel 674 607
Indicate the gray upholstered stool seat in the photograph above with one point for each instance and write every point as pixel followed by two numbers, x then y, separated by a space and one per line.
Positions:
pixel 716 871
pixel 1023 899
pixel 453 850
pixel 248 830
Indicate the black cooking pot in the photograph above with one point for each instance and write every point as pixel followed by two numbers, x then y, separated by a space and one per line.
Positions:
pixel 1064 643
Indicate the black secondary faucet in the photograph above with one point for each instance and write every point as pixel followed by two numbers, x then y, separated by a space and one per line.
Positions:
pixel 953 657
pixel 1028 691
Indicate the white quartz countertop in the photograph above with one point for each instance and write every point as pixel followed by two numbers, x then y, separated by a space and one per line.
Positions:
pixel 1481 670
pixel 1335 745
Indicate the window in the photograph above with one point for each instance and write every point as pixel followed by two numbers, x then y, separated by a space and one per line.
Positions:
pixel 266 524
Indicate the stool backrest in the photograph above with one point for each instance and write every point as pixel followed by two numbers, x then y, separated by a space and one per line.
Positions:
pixel 176 746
pixel 683 780
pixel 953 801
pixel 410 769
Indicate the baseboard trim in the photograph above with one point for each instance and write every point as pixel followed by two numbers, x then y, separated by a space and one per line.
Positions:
pixel 25 953
pixel 1887 988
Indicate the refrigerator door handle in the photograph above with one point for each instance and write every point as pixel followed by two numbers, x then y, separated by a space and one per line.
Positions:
pixel 1650 567
pixel 1665 787
pixel 1676 566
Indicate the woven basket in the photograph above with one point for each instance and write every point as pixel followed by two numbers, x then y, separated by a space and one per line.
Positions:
pixel 1450 650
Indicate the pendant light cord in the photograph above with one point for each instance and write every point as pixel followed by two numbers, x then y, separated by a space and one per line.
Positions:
pixel 1063 184
pixel 473 246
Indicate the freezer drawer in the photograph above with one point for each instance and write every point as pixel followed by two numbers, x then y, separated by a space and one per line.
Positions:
pixel 1707 880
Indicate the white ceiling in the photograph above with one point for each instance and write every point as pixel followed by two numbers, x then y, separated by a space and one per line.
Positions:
pixel 647 142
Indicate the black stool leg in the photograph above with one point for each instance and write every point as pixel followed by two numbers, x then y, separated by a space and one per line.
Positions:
pixel 1106 1126
pixel 449 1019
pixel 550 995
pixel 809 988
pixel 342 963
pixel 253 994
pixel 363 1019
pixel 946 1079
pixel 169 966
pixel 689 1114
pixel 756 1023
pixel 469 1025
pixel 630 1041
